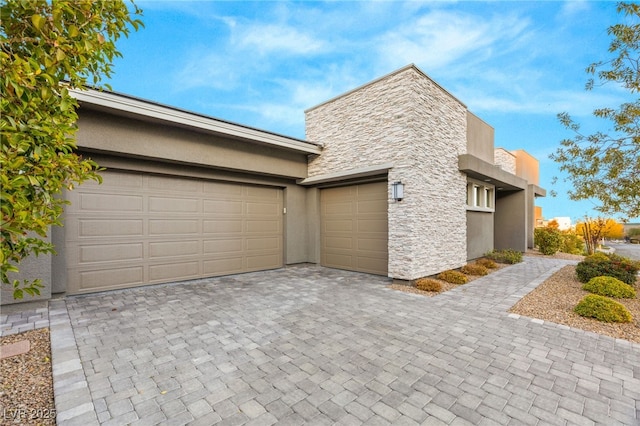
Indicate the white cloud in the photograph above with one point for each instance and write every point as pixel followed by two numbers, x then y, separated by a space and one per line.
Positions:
pixel 442 38
pixel 275 39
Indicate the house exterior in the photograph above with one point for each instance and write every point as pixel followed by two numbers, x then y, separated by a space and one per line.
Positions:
pixel 186 196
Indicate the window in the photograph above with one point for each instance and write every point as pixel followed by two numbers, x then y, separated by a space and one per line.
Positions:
pixel 480 196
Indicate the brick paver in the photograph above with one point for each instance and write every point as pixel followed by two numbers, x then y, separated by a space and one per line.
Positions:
pixel 314 345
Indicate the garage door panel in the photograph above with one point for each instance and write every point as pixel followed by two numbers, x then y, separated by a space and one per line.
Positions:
pixel 231 226
pixel 354 228
pixel 108 278
pixel 173 205
pixel 375 207
pixel 111 202
pixel 334 242
pixel 264 261
pixel 223 207
pixel 263 209
pixel 263 226
pixel 141 228
pixel 224 266
pixel 159 249
pixel 338 226
pixel 378 245
pixel 168 271
pixel 92 228
pixel 341 208
pixel 111 252
pixel 173 227
pixel 266 243
pixel 374 226
pixel 232 245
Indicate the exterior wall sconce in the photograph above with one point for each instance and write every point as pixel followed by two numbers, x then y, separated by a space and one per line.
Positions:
pixel 397 191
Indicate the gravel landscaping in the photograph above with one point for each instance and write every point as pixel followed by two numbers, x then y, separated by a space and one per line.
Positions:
pixel 26 385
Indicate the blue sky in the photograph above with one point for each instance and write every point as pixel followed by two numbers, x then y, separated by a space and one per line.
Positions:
pixel 262 63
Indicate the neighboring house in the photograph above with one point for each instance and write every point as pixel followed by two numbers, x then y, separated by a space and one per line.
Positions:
pixel 187 196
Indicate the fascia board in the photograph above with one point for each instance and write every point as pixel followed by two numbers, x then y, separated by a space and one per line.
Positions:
pixel 158 112
pixel 346 174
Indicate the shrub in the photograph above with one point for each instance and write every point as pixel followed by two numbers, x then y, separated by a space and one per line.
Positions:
pixel 571 243
pixel 453 277
pixel 600 264
pixel 474 269
pixel 548 240
pixel 487 263
pixel 428 284
pixel 609 286
pixel 505 256
pixel 602 309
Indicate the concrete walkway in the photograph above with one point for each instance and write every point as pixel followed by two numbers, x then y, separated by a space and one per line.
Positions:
pixel 309 345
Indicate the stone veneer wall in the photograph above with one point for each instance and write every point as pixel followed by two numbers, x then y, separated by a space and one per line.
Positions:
pixel 505 159
pixel 408 120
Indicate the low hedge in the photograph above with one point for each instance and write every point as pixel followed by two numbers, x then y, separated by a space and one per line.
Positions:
pixel 603 309
pixel 610 286
pixel 612 265
pixel 428 284
pixel 453 277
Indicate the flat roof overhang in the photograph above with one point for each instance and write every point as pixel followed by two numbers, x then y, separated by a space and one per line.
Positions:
pixel 481 170
pixel 128 106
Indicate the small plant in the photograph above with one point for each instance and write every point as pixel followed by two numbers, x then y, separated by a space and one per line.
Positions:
pixel 610 286
pixel 428 284
pixel 487 263
pixel 505 256
pixel 474 269
pixel 600 264
pixel 548 240
pixel 603 309
pixel 453 277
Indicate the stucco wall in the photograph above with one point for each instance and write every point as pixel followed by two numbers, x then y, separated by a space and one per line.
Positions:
pixel 407 119
pixel 31 268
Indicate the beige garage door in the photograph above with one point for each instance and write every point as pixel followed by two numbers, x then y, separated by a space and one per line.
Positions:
pixel 354 228
pixel 138 229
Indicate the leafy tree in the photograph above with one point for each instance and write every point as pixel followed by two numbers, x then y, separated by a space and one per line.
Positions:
pixel 605 166
pixel 48 48
pixel 595 229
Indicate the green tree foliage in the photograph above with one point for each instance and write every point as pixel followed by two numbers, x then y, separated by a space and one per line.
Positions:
pixel 606 166
pixel 48 48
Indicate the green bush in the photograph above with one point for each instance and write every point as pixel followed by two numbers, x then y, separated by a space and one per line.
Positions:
pixel 453 277
pixel 571 243
pixel 487 263
pixel 602 309
pixel 474 269
pixel 609 286
pixel 548 240
pixel 428 284
pixel 600 264
pixel 505 256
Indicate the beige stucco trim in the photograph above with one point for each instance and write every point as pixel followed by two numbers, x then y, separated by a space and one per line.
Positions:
pixel 116 102
pixel 346 174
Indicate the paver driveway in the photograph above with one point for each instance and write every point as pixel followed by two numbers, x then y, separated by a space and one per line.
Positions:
pixel 309 345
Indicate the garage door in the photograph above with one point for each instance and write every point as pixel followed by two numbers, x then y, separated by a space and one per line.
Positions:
pixel 354 228
pixel 138 229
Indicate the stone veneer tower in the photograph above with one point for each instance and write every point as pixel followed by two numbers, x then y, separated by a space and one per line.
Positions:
pixel 407 120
